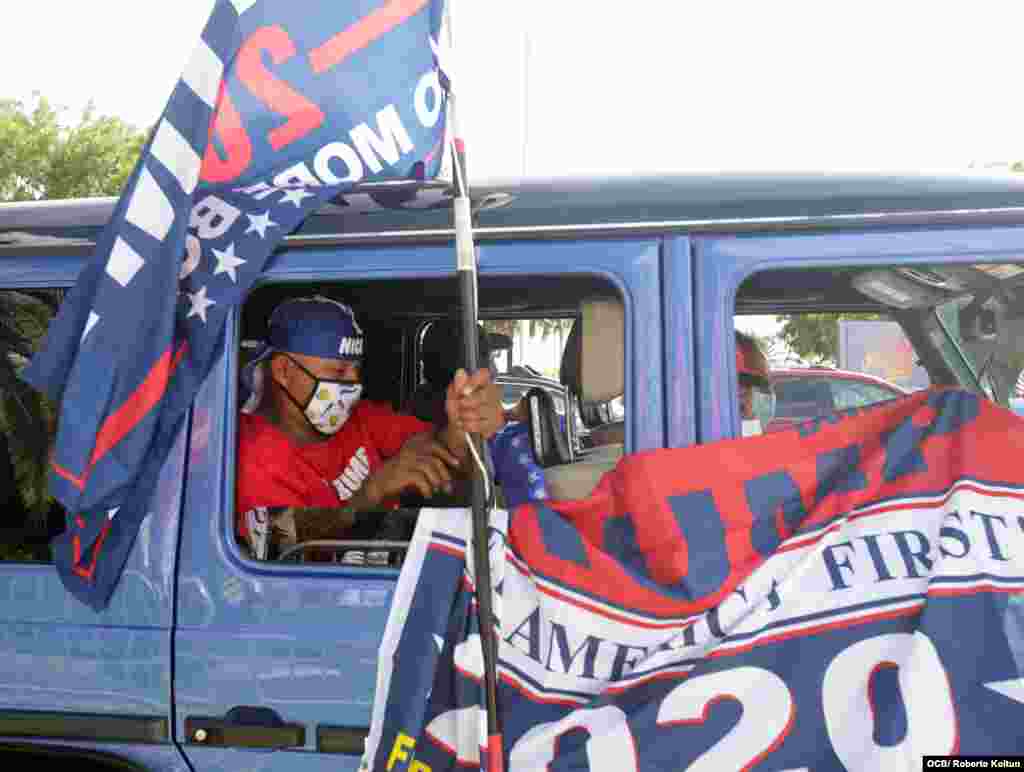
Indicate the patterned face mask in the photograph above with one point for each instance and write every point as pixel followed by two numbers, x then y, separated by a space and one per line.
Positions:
pixel 330 404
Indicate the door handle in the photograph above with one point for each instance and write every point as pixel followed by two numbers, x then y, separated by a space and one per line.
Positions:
pixel 244 726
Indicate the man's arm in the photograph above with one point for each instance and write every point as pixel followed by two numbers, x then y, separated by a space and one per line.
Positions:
pixel 312 523
pixel 334 522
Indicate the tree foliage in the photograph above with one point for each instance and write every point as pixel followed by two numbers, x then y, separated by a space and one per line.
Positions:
pixel 43 158
pixel 535 327
pixel 26 421
pixel 815 337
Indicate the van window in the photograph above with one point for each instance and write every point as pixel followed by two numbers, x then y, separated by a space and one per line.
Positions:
pixel 31 517
pixel 851 337
pixel 527 322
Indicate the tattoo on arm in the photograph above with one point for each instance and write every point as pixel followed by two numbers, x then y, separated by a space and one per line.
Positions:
pixel 323 522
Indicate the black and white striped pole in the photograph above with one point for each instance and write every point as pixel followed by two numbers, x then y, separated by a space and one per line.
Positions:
pixel 482 484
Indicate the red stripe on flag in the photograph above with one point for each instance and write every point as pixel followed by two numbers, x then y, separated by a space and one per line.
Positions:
pixel 362 33
pixel 86 572
pixel 135 408
pixel 985 587
pixel 445 549
pixel 78 482
pixel 804 632
pixel 534 695
pixel 495 759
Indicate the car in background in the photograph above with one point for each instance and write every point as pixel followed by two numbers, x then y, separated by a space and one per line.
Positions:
pixel 811 392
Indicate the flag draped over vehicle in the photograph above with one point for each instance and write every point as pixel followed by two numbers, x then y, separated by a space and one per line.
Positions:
pixel 282 106
pixel 844 595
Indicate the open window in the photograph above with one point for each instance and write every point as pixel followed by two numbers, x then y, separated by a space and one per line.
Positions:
pixel 529 324
pixel 31 517
pixel 842 338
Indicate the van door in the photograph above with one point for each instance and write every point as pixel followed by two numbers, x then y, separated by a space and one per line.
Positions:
pixel 275 664
pixel 71 678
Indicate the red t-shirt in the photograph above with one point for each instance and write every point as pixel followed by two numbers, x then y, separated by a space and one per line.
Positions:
pixel 275 472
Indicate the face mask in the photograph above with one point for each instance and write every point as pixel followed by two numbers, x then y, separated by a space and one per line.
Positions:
pixel 757 408
pixel 330 404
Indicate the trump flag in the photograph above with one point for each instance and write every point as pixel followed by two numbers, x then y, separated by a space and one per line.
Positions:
pixel 843 595
pixel 282 106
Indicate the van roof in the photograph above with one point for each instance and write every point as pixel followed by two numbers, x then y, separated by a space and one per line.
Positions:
pixel 722 202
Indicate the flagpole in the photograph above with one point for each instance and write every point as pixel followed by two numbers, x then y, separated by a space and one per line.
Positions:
pixel 482 484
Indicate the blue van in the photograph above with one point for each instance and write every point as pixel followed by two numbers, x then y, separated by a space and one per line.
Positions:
pixel 207 659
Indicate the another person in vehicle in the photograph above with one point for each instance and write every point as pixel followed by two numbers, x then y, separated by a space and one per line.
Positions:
pixel 520 476
pixel 755 389
pixel 312 453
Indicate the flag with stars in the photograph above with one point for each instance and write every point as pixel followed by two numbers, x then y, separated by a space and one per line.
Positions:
pixel 515 469
pixel 275 114
pixel 843 596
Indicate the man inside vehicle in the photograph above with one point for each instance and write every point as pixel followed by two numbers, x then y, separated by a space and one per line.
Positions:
pixel 312 454
pixel 755 389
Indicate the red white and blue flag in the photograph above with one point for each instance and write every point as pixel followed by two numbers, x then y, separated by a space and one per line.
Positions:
pixel 282 106
pixel 844 595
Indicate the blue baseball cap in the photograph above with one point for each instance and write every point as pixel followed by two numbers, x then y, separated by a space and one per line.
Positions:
pixel 315 326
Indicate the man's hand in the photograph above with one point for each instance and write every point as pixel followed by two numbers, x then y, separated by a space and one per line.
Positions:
pixel 473 404
pixel 423 464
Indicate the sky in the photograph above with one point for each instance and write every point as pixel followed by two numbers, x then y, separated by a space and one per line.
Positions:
pixel 570 87
pixel 573 87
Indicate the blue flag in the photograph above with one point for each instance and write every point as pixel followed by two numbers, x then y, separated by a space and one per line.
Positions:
pixel 281 107
pixel 844 595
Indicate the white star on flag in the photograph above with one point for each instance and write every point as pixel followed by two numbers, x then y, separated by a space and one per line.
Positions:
pixel 227 262
pixel 260 223
pixel 295 196
pixel 199 304
pixel 1012 688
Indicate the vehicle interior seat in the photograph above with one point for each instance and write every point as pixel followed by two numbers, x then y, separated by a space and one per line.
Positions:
pixel 593 369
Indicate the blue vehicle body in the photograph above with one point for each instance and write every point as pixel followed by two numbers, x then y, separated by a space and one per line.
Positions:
pixel 196 629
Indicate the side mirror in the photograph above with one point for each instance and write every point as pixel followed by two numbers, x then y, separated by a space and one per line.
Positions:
pixel 978 321
pixel 550 446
